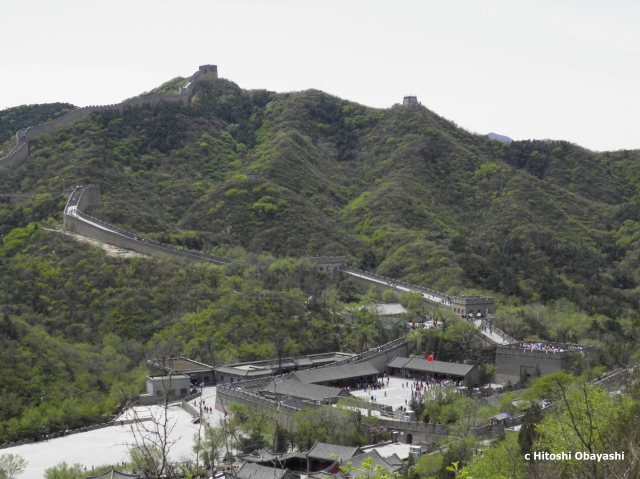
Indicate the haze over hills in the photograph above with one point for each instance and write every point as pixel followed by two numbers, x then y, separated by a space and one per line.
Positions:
pixel 502 138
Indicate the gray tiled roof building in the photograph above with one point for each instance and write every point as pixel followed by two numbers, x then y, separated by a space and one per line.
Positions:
pixel 312 392
pixel 440 367
pixel 113 474
pixel 335 374
pixel 250 470
pixel 332 452
pixel 376 460
pixel 398 362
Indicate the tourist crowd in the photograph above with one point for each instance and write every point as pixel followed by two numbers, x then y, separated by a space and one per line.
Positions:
pixel 549 347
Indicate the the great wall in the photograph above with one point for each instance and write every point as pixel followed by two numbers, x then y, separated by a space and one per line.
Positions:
pixel 21 151
pixel 83 224
pixel 83 197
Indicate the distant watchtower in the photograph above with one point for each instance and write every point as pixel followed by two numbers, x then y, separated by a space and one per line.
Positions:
pixel 410 101
pixel 329 264
pixel 209 70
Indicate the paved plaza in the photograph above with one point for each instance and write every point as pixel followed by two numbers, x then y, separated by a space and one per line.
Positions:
pixel 110 444
pixel 396 394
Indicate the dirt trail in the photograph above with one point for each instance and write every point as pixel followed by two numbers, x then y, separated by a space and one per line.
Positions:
pixel 109 249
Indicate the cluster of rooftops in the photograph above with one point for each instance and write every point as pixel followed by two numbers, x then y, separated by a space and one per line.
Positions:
pixel 322 461
pixel 236 372
pixel 311 370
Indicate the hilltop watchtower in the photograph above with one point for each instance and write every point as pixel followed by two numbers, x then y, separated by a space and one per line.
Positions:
pixel 410 101
pixel 209 70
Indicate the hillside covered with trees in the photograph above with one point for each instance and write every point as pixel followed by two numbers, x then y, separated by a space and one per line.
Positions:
pixel 550 229
pixel 401 191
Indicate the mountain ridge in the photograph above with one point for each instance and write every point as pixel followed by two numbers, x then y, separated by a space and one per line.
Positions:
pixel 336 177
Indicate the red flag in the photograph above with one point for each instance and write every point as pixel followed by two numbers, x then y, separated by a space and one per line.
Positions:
pixel 430 358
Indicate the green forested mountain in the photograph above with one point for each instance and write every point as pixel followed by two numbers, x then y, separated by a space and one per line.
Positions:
pixel 400 190
pixel 258 176
pixel 17 118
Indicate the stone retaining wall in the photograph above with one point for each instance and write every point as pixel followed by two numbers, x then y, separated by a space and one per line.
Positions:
pixel 225 396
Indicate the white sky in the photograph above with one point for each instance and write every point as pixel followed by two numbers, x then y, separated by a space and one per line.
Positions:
pixel 556 69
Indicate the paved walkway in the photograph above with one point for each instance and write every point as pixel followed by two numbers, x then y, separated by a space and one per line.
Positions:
pixel 430 297
pixel 433 298
pixel 493 336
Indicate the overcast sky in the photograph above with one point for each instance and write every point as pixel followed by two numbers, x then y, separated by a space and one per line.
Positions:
pixel 557 69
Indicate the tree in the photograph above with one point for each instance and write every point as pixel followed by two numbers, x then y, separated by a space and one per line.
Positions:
pixel 65 471
pixel 457 453
pixel 331 299
pixel 584 420
pixel 463 334
pixel 411 300
pixel 389 296
pixel 501 459
pixel 153 440
pixel 366 470
pixel 209 447
pixel 338 425
pixel 12 465
pixel 527 435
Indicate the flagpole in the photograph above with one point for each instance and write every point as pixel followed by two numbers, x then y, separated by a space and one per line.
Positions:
pixel 433 367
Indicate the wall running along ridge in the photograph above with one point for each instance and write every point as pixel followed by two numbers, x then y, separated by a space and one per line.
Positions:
pixel 79 222
pixel 20 153
pixel 93 228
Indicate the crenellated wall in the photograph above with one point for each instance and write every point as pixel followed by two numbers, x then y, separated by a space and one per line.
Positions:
pixel 16 156
pixel 79 222
pixel 225 396
pixel 513 362
pixel 379 356
pixel 88 197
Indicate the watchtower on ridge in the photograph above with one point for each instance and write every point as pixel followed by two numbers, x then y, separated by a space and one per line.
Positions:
pixel 209 70
pixel 329 264
pixel 410 101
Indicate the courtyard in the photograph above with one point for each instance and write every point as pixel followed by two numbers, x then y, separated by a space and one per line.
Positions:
pixel 111 445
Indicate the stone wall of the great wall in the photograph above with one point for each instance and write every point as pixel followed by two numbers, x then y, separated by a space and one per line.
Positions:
pixel 85 225
pixel 21 151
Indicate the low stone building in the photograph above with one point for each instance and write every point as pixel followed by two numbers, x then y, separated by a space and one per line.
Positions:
pixel 198 372
pixel 392 463
pixel 410 101
pixel 422 369
pixel 322 456
pixel 209 70
pixel 322 461
pixel 476 306
pixel 169 388
pixel 113 474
